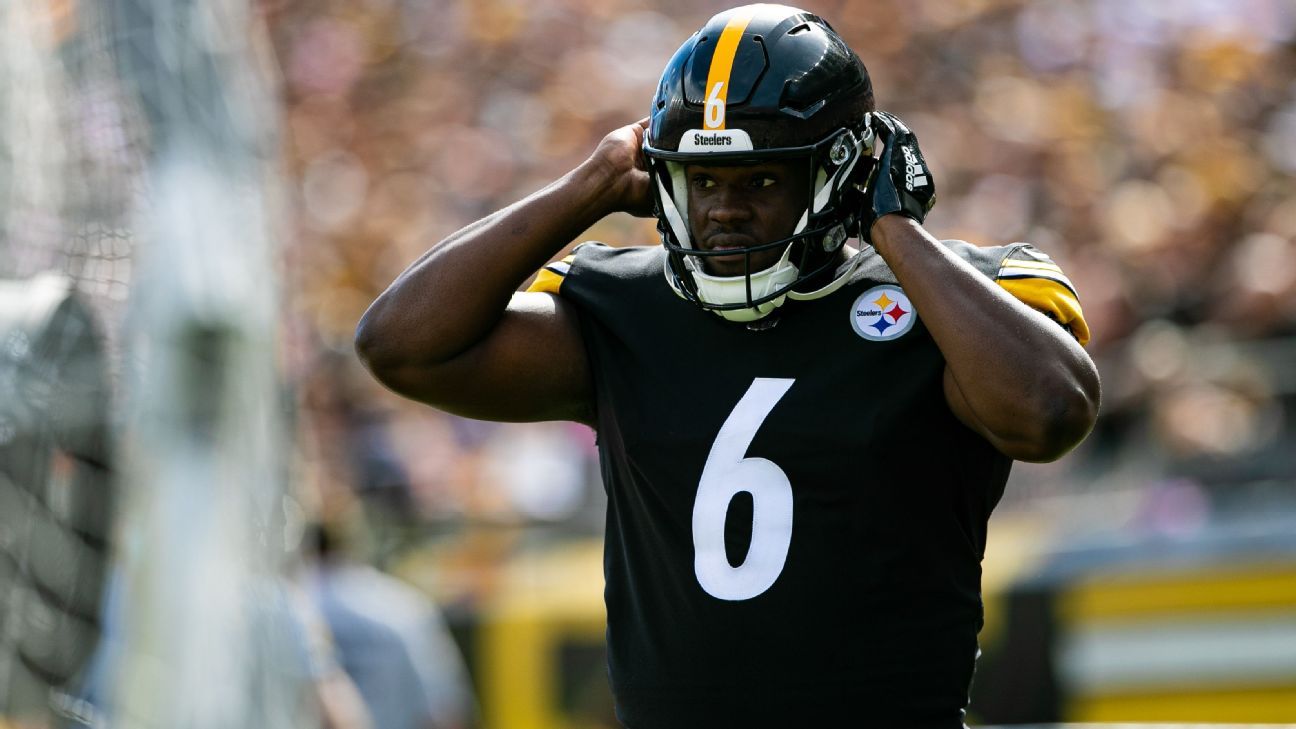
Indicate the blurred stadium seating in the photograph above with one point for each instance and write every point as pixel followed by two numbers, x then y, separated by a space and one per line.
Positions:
pixel 1149 146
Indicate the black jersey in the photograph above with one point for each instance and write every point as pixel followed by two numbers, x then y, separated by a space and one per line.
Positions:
pixel 796 519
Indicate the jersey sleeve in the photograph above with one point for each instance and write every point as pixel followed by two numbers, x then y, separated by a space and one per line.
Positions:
pixel 550 278
pixel 1034 279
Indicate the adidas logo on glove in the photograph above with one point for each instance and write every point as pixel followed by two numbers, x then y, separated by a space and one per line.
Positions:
pixel 915 175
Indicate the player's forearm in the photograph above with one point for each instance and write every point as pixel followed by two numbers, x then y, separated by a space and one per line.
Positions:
pixel 1029 385
pixel 455 293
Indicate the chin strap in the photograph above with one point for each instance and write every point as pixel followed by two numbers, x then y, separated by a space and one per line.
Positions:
pixel 733 289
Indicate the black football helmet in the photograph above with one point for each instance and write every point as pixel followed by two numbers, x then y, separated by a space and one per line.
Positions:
pixel 760 83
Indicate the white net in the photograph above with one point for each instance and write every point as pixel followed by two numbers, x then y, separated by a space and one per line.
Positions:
pixel 64 275
pixel 138 297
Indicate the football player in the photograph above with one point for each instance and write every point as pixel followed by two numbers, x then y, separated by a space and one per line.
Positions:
pixel 801 437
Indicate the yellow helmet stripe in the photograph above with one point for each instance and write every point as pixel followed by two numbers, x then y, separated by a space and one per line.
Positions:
pixel 717 88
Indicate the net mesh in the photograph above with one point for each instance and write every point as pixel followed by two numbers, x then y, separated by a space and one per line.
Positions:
pixel 139 439
pixel 67 172
pixel 72 154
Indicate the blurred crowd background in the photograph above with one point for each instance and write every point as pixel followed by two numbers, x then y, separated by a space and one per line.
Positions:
pixel 1148 146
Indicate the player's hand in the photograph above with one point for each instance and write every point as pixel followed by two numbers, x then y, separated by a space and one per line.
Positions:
pixel 620 156
pixel 901 182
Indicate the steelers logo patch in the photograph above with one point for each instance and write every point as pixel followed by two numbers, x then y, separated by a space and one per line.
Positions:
pixel 882 313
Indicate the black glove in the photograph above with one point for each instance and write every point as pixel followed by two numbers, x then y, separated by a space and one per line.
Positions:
pixel 901 181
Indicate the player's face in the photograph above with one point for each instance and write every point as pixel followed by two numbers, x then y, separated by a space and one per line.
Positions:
pixel 739 207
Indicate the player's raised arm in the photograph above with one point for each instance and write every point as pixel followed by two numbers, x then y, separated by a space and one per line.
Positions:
pixel 1012 374
pixel 453 332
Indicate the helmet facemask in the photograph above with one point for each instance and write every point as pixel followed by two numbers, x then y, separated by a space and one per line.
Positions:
pixel 837 164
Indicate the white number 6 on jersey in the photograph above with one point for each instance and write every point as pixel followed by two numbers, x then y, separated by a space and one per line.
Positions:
pixel 728 471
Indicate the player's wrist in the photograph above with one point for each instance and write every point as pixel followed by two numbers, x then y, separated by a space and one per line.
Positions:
pixel 600 185
pixel 892 229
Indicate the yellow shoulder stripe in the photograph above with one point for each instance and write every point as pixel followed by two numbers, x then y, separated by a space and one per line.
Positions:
pixel 549 279
pixel 1053 299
